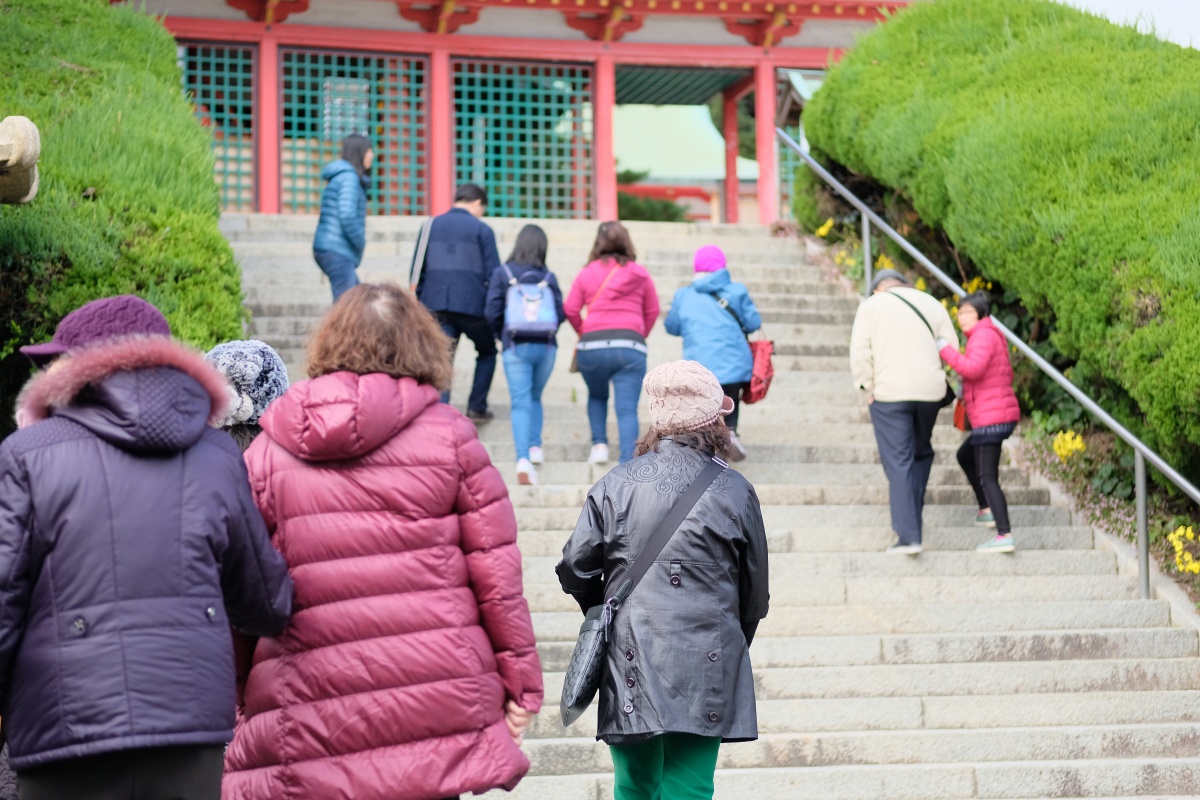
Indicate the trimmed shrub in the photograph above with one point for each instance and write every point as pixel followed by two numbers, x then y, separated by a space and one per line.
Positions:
pixel 127 202
pixel 1059 152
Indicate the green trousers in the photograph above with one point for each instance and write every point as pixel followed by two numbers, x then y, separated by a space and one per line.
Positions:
pixel 672 766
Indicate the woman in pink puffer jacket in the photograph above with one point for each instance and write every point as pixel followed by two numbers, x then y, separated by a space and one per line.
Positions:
pixel 409 669
pixel 992 410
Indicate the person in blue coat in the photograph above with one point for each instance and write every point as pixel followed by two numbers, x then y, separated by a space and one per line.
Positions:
pixel 713 316
pixel 342 230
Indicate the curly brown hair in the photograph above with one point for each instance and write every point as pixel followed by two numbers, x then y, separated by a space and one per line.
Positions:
pixel 613 242
pixel 380 327
pixel 712 439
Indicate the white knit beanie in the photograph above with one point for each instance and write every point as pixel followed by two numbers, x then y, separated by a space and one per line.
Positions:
pixel 684 396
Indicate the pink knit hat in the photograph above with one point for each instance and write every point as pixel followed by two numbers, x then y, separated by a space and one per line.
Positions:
pixel 684 396
pixel 709 258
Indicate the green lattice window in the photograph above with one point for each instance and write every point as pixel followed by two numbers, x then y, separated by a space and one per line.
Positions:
pixel 523 131
pixel 219 81
pixel 328 95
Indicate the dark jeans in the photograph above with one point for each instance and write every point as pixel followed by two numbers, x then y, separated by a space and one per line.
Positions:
pixel 734 392
pixel 152 773
pixel 625 368
pixel 981 462
pixel 340 269
pixel 480 333
pixel 903 431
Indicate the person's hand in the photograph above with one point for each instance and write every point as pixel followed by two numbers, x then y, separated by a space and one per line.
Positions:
pixel 518 720
pixel 870 399
pixel 941 344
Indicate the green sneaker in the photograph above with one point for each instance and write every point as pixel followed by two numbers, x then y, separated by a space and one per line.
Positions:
pixel 1000 544
pixel 985 519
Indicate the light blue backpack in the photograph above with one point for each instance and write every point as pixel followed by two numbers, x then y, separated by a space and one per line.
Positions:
pixel 529 308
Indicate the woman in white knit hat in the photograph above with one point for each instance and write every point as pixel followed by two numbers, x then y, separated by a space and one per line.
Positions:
pixel 677 680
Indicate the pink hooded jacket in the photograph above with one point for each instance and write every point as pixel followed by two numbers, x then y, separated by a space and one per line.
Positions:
pixel 628 302
pixel 409 629
pixel 987 376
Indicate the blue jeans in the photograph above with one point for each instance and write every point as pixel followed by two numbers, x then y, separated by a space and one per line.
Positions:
pixel 339 268
pixel 480 333
pixel 527 367
pixel 625 368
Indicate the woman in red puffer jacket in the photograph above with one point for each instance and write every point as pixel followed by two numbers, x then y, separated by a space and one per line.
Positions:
pixel 409 669
pixel 991 409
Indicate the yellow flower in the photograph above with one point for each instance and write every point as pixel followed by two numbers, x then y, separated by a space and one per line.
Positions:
pixel 1184 560
pixel 824 230
pixel 1068 444
pixel 885 262
pixel 921 284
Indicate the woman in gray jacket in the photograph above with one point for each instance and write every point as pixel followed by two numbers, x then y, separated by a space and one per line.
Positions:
pixel 677 681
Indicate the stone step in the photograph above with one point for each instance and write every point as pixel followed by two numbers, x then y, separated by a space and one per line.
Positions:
pixel 569 756
pixel 545 595
pixel 805 495
pixel 963 712
pixel 503 452
pixel 1090 778
pixel 827 516
pixel 572 475
pixel 927 617
pixel 945 648
pixel 862 540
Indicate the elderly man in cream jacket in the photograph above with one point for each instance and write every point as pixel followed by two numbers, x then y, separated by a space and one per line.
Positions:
pixel 895 362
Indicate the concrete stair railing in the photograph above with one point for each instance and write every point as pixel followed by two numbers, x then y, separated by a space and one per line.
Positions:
pixel 949 675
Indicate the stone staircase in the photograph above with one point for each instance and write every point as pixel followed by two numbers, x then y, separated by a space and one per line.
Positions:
pixel 949 675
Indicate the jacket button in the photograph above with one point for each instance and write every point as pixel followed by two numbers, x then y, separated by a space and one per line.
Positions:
pixel 629 708
pixel 211 613
pixel 713 656
pixel 712 716
pixel 675 580
pixel 80 625
pixel 630 682
pixel 629 655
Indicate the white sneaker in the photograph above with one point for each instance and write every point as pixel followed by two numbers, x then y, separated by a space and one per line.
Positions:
pixel 739 452
pixel 905 549
pixel 535 456
pixel 526 474
pixel 599 454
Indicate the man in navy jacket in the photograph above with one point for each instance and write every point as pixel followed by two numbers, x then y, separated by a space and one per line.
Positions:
pixel 459 260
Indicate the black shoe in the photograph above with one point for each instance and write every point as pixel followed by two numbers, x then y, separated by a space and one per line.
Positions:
pixel 480 416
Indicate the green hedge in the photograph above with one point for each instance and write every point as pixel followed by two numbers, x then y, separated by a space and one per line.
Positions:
pixel 127 202
pixel 1061 153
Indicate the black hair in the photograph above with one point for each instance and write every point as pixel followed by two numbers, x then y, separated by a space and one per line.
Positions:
pixel 469 193
pixel 530 248
pixel 978 301
pixel 354 150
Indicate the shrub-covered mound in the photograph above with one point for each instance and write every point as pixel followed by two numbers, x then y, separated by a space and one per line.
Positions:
pixel 127 201
pixel 1060 152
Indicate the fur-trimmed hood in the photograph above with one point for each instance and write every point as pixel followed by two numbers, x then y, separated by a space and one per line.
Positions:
pixel 140 392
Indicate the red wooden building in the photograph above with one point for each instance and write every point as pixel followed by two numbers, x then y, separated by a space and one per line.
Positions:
pixel 516 95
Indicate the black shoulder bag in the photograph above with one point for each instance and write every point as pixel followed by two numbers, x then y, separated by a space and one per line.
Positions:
pixel 951 392
pixel 587 661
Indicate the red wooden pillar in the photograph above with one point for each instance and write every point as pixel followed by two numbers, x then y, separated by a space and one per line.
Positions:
pixel 729 128
pixel 270 131
pixel 764 124
pixel 441 132
pixel 603 101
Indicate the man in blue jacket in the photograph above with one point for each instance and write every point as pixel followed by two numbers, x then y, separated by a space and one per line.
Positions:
pixel 459 259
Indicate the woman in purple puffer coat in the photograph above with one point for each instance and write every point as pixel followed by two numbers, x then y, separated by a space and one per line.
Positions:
pixel 991 409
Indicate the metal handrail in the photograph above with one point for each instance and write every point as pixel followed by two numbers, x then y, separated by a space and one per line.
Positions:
pixel 1142 453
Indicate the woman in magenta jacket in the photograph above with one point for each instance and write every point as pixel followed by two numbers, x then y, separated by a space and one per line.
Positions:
pixel 409 670
pixel 622 305
pixel 991 409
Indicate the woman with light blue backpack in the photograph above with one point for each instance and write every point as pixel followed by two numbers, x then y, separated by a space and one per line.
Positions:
pixel 525 309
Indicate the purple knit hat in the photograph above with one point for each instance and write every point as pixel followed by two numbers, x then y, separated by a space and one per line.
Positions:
pixel 106 318
pixel 709 258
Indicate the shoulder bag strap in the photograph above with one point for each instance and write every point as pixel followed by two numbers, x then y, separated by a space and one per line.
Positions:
pixel 723 303
pixel 666 529
pixel 917 312
pixel 418 266
pixel 607 278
